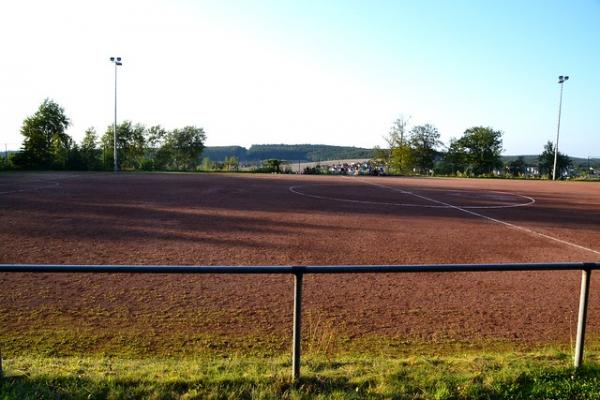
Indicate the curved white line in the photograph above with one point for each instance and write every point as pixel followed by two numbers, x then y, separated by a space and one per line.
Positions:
pixel 294 189
pixel 530 200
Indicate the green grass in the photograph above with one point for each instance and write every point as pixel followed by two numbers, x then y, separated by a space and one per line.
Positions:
pixel 57 363
pixel 506 375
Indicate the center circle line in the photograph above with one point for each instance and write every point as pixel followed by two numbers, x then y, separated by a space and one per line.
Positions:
pixel 296 190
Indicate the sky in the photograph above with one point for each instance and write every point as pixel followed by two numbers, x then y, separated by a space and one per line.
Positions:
pixel 321 72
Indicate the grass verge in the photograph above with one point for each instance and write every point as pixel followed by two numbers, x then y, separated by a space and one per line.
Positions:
pixel 507 375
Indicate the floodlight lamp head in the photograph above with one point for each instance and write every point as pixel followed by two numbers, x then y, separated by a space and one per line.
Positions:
pixel 119 59
pixel 112 59
pixel 566 78
pixel 119 63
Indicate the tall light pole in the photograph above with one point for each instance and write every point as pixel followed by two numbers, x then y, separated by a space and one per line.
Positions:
pixel 117 62
pixel 561 80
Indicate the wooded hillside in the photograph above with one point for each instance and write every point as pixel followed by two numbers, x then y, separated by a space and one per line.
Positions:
pixel 290 152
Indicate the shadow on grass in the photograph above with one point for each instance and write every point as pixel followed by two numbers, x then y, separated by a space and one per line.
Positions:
pixel 404 383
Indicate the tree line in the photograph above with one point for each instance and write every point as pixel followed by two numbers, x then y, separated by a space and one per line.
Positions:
pixel 477 152
pixel 46 145
pixel 410 150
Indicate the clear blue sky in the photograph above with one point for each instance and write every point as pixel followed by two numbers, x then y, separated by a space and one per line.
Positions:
pixel 333 72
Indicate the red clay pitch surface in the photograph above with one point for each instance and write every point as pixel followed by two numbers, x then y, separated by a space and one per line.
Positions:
pixel 214 219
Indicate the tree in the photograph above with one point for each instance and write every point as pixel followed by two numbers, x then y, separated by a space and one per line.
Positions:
pixel 480 147
pixel 546 161
pixel 207 165
pixel 380 155
pixel 517 167
pixel 74 160
pixel 6 162
pixel 399 153
pixel 424 139
pixel 456 156
pixel 183 147
pixel 46 144
pixel 272 165
pixel 231 163
pixel 65 154
pixel 155 137
pixel 89 152
pixel 130 144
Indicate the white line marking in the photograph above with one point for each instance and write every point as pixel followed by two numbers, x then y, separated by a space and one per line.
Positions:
pixel 527 230
pixel 294 189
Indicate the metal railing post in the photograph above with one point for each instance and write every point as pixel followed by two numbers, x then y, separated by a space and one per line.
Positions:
pixel 297 339
pixel 582 319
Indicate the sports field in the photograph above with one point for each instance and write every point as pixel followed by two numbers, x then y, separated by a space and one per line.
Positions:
pixel 217 219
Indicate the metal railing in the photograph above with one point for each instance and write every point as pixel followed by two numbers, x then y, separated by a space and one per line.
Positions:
pixel 299 271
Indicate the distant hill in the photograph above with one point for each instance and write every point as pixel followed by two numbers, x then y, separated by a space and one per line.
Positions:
pixel 290 152
pixel 219 153
pixel 322 152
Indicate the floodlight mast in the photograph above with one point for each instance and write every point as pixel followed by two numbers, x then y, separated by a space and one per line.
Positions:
pixel 561 81
pixel 117 62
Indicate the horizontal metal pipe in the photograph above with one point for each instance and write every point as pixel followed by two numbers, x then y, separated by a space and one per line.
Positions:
pixel 313 269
